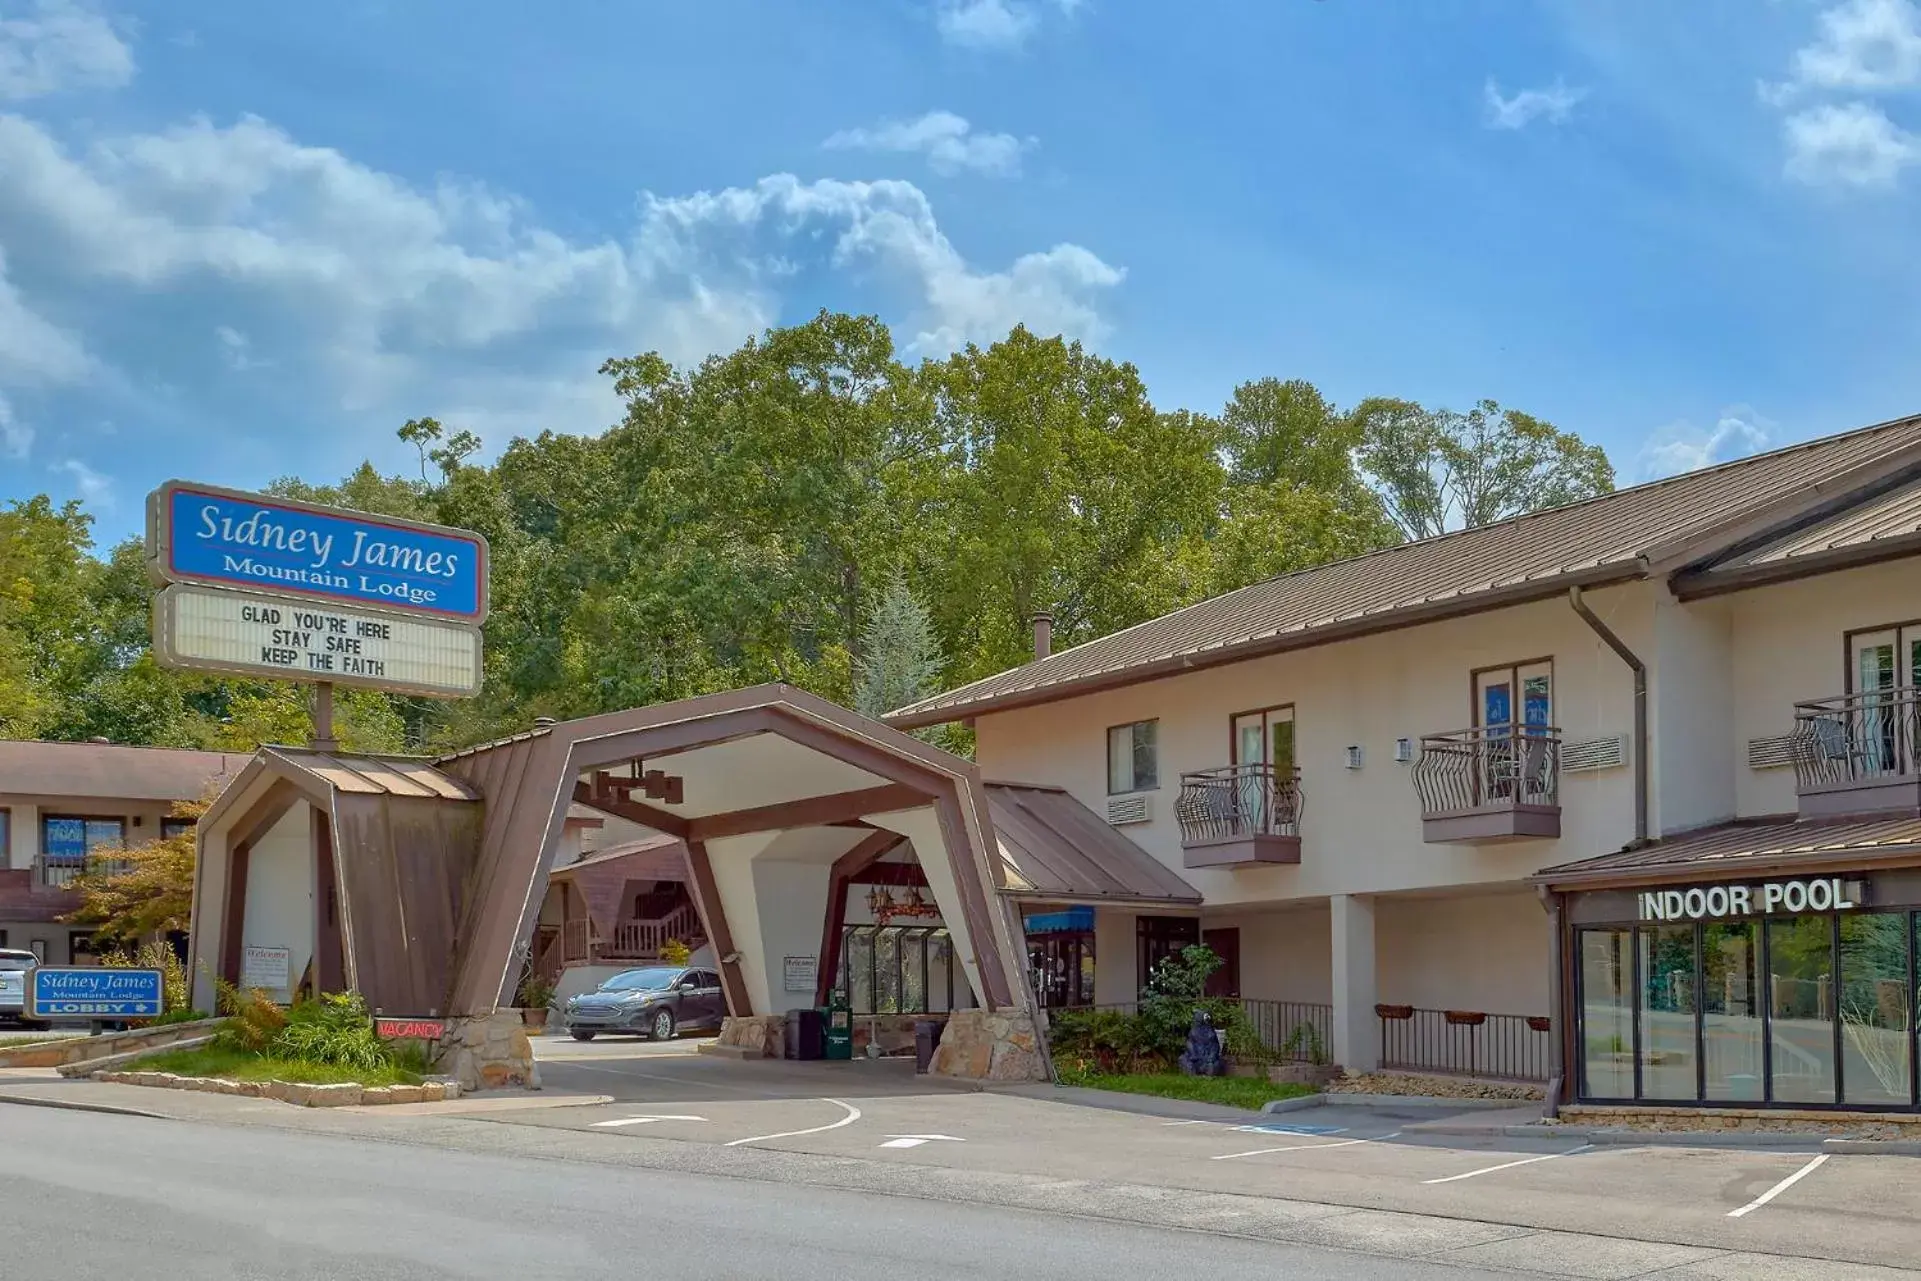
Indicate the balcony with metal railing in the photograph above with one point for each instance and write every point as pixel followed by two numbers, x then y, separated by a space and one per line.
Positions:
pixel 1240 815
pixel 1856 754
pixel 1493 783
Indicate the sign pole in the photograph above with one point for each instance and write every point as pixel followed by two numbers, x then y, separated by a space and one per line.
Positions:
pixel 323 717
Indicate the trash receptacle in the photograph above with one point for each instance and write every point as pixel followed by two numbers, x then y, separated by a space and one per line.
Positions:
pixel 839 1030
pixel 806 1035
pixel 926 1037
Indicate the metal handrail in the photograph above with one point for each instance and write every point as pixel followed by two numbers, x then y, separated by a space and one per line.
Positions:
pixel 1239 801
pixel 1466 769
pixel 1856 736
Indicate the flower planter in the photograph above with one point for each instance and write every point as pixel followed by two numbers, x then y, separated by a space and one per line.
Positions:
pixel 1540 1022
pixel 533 1018
pixel 1465 1018
pixel 1394 1011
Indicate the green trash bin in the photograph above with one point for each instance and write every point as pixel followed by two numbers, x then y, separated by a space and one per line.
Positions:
pixel 839 1020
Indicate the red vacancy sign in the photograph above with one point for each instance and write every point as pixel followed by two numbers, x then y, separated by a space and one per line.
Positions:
pixel 409 1029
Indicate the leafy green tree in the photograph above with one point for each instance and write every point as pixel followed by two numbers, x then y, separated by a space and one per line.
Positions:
pixel 1437 469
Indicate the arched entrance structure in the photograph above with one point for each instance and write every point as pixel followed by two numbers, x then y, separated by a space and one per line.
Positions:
pixel 779 796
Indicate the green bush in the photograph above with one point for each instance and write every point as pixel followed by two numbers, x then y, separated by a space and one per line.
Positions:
pixel 178 1016
pixel 253 1020
pixel 335 1029
pixel 1103 1039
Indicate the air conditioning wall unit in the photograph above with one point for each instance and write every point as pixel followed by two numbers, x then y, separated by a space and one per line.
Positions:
pixel 1138 808
pixel 1595 753
pixel 1775 751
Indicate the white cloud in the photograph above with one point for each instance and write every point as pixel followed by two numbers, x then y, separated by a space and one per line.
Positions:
pixel 890 225
pixel 1551 104
pixel 32 348
pixel 994 24
pixel 59 46
pixel 95 490
pixel 948 141
pixel 16 438
pixel 380 296
pixel 1853 145
pixel 1682 446
pixel 1864 45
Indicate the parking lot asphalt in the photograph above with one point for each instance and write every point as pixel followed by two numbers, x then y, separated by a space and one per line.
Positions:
pixel 1786 1201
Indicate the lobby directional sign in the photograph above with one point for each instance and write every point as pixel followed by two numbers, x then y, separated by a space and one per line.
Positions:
pixel 224 538
pixel 94 992
pixel 295 639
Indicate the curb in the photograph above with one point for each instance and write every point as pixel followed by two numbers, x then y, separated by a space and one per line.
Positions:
pixel 1873 1147
pixel 1293 1105
pixel 69 1105
pixel 1435 1102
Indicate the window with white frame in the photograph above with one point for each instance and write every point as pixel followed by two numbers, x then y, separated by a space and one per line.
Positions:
pixel 1133 757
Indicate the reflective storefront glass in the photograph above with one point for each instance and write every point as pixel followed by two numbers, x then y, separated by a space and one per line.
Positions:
pixel 1816 1009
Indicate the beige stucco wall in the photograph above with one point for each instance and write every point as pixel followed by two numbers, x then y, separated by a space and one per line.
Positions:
pixel 1691 701
pixel 1788 645
pixel 1486 952
pixel 1285 955
pixel 1361 829
pixel 280 894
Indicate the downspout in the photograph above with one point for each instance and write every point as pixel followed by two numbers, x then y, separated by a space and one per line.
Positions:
pixel 1640 670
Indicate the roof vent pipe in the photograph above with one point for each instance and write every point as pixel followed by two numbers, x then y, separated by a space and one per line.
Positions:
pixel 1640 670
pixel 1043 634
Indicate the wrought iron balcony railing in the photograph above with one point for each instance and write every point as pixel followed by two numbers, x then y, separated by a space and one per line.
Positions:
pixel 1239 801
pixel 1499 782
pixel 1858 753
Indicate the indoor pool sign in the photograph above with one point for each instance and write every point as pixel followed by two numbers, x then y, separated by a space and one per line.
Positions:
pixel 1769 898
pixel 224 538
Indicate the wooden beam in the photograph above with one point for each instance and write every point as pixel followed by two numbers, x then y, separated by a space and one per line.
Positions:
pixel 329 967
pixel 714 916
pixel 235 916
pixel 812 811
pixel 839 879
pixel 633 811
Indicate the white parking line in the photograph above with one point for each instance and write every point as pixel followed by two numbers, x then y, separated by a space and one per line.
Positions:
pixel 1509 1165
pixel 1305 1147
pixel 1780 1187
pixel 853 1115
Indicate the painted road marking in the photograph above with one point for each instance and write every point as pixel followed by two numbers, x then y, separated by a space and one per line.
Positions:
pixel 1509 1165
pixel 1780 1187
pixel 853 1115
pixel 1292 1129
pixel 1306 1147
pixel 642 1120
pixel 915 1140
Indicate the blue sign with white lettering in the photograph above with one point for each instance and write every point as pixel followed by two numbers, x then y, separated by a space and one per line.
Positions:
pixel 94 992
pixel 202 534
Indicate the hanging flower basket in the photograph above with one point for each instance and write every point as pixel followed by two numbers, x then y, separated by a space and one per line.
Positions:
pixel 1465 1018
pixel 1394 1011
pixel 1539 1022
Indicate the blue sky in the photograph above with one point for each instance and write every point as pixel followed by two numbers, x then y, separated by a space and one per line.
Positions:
pixel 242 241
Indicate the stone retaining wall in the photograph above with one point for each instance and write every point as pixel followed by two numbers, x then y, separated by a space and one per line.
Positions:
pixel 979 1045
pixel 488 1051
pixel 762 1035
pixel 82 1049
pixel 311 1096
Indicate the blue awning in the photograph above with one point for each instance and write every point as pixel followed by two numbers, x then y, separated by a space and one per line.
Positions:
pixel 1073 919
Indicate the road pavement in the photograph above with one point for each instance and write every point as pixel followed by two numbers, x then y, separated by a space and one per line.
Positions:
pixel 90 1196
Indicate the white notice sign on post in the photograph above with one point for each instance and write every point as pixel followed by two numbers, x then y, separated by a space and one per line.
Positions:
pixel 296 639
pixel 266 968
pixel 799 972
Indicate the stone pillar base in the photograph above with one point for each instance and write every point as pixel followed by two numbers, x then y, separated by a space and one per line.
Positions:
pixel 979 1045
pixel 488 1051
pixel 756 1035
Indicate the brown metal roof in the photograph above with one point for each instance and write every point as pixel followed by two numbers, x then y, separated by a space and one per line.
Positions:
pixel 113 770
pixel 1055 848
pixel 375 775
pixel 1611 538
pixel 669 857
pixel 1749 848
pixel 1885 526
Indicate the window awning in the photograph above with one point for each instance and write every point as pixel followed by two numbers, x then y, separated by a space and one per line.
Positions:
pixel 1056 850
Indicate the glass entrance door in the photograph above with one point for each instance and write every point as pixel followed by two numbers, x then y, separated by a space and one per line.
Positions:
pixel 1264 768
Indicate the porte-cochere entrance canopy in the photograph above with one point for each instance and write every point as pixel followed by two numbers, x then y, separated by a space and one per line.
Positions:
pixel 777 794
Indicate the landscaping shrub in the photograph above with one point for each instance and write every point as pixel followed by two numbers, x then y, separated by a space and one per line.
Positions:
pixel 253 1020
pixel 335 1029
pixel 1112 1041
pixel 1103 1040
pixel 675 952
